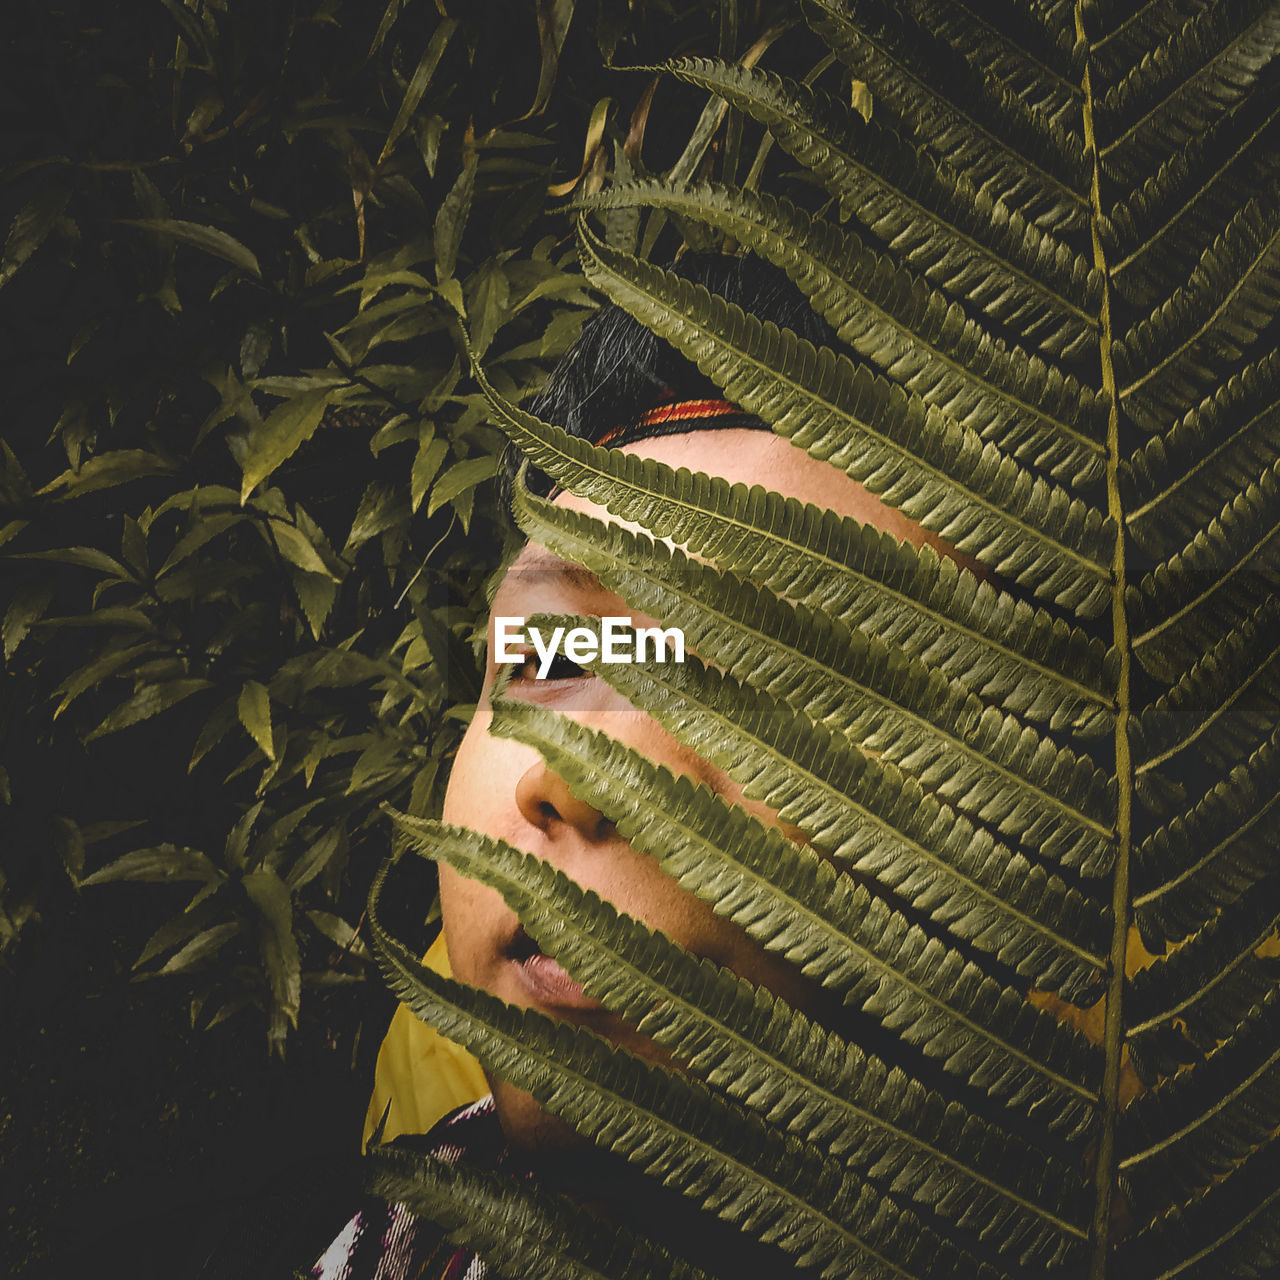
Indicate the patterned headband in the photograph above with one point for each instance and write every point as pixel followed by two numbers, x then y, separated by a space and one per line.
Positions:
pixel 678 417
pixel 675 419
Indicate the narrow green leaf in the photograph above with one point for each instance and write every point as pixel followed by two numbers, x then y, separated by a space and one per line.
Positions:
pixel 290 425
pixel 219 724
pixel 25 608
pixel 340 933
pixel 317 595
pixel 254 709
pixel 554 17
pixel 202 948
pixel 459 478
pixel 106 470
pixel 451 220
pixel 419 82
pixel 299 550
pixel 177 929
pixel 204 529
pixel 426 464
pixel 162 864
pixel 148 701
pixel 188 25
pixel 387 21
pixel 30 228
pixel 85 558
pixel 278 947
pixel 97 672
pixel 208 239
pixel 314 858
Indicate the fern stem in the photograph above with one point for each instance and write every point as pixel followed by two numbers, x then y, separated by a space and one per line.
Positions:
pixel 1113 1029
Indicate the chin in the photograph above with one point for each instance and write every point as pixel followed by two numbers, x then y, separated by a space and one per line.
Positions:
pixel 527 1127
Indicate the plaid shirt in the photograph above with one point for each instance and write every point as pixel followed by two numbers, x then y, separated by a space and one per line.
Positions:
pixel 386 1242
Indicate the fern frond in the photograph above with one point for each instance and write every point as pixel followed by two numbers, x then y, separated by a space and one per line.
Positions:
pixel 833 929
pixel 884 702
pixel 1157 236
pixel 826 1091
pixel 1128 30
pixel 1071 825
pixel 1224 706
pixel 912 457
pixel 975 127
pixel 1230 1229
pixel 995 645
pixel 1181 87
pixel 870 698
pixel 962 240
pixel 708 1148
pixel 1177 483
pixel 1011 45
pixel 1065 279
pixel 909 331
pixel 1211 982
pixel 1213 854
pixel 926 854
pixel 1185 606
pixel 1167 362
pixel 1056 17
pixel 517 1230
pixel 1194 1128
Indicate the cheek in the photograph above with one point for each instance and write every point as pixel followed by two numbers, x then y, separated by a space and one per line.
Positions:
pixel 473 914
pixel 474 918
pixel 482 783
pixel 467 765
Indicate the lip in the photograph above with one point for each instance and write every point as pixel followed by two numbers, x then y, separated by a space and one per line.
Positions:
pixel 544 981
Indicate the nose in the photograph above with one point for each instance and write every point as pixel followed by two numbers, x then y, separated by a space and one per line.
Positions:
pixel 545 801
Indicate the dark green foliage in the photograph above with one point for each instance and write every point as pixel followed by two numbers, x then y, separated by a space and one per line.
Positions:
pixel 1049 260
pixel 952 233
pixel 244 499
pixel 894 320
pixel 976 127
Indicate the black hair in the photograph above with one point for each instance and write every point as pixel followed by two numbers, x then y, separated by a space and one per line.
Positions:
pixel 618 371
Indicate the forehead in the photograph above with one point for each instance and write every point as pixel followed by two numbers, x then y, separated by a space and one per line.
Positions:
pixel 741 456
pixel 533 562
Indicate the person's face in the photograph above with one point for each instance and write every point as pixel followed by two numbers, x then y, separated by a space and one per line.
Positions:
pixel 504 789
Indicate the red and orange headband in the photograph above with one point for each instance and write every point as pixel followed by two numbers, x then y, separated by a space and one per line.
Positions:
pixel 678 417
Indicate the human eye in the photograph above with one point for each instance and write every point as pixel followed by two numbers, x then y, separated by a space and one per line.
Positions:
pixel 563 668
pixel 524 670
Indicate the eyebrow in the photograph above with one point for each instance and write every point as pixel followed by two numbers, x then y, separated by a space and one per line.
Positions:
pixel 540 560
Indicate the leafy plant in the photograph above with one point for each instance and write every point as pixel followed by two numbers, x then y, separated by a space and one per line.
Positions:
pixel 244 501
pixel 1050 255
